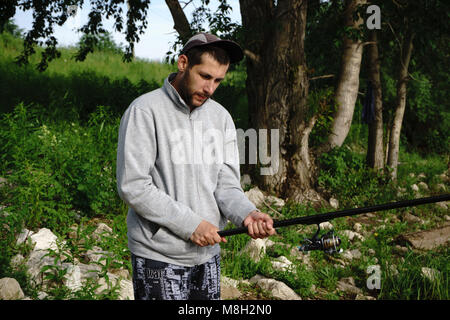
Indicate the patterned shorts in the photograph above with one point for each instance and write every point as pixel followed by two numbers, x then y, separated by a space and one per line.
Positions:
pixel 155 280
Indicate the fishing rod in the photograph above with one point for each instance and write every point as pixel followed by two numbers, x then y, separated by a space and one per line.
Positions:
pixel 329 242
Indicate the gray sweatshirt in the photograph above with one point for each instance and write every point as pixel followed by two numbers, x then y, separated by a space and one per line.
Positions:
pixel 176 168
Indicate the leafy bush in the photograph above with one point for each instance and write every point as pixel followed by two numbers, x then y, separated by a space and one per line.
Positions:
pixel 58 169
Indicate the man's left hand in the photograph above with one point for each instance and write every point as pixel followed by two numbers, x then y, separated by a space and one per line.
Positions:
pixel 260 225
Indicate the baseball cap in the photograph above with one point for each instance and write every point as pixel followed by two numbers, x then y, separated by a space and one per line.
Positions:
pixel 201 39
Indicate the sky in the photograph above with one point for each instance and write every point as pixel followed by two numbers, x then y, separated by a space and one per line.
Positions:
pixel 153 45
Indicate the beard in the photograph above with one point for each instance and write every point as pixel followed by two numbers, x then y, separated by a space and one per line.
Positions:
pixel 186 94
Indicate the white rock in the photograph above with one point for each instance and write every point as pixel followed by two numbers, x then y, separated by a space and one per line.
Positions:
pixel 121 273
pixel 421 176
pixel 42 295
pixel 229 281
pixel 423 185
pixel 125 287
pixel 444 177
pixel 393 271
pixel 276 202
pixel 44 239
pixel 126 290
pixel 356 253
pixel 442 205
pixel 255 248
pixel 16 261
pixel 430 274
pixel 363 297
pixel 228 288
pixel 276 288
pixel 269 243
pixel 72 278
pixel 352 235
pixel 23 236
pixel 347 255
pixel 101 230
pixel 334 203
pixel 97 255
pixel 255 196
pixel 411 218
pixel 89 271
pixel 281 264
pixel 10 289
pixel 357 227
pixel 36 261
pixel 326 225
pixel 348 285
pixel 229 293
pixel 414 187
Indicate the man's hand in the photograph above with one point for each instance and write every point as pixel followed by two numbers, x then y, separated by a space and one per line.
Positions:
pixel 260 225
pixel 206 235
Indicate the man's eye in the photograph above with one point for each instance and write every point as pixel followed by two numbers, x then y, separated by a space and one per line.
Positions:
pixel 206 77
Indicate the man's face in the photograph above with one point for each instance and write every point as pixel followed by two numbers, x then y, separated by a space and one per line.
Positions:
pixel 200 81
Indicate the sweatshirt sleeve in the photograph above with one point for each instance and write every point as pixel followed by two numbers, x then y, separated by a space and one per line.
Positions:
pixel 136 155
pixel 231 199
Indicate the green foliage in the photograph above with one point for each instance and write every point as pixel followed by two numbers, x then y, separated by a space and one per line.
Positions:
pixel 410 282
pixel 424 115
pixel 345 175
pixel 100 42
pixel 322 105
pixel 102 79
pixel 58 168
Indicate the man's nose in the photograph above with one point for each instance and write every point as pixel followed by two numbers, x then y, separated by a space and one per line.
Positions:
pixel 209 87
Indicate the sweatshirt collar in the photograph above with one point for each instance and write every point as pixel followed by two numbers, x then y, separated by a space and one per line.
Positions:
pixel 175 96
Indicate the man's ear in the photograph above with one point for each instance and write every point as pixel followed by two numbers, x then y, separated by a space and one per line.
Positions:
pixel 182 63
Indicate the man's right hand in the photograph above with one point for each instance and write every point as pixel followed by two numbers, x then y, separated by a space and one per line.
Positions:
pixel 206 235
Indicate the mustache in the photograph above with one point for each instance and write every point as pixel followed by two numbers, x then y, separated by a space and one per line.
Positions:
pixel 206 95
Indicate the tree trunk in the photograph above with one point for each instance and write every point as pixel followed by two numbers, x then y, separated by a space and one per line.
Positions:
pixel 348 84
pixel 277 88
pixel 394 140
pixel 375 153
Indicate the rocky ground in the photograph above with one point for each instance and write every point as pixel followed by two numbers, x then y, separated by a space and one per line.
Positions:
pixel 50 265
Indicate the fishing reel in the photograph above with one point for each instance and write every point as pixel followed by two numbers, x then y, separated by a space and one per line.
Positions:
pixel 328 243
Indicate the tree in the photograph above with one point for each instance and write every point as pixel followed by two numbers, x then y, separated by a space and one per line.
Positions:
pixel 375 153
pixel 277 89
pixel 415 26
pixel 348 84
pixel 403 76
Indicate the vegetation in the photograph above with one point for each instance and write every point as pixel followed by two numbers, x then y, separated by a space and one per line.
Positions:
pixel 58 150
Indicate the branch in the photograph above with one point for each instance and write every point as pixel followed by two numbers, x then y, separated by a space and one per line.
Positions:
pixel 322 77
pixel 252 56
pixel 181 22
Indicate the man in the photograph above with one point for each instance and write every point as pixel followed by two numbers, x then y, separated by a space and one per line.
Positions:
pixel 178 171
